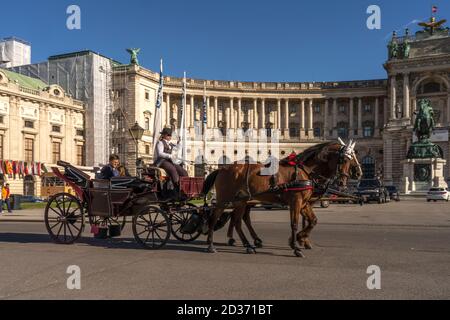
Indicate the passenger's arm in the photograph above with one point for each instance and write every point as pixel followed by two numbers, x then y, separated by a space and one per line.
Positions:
pixel 160 151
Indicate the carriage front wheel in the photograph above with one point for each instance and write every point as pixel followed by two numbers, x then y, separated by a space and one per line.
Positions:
pixel 64 218
pixel 151 228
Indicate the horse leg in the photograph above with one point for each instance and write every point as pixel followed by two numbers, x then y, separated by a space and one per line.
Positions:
pixel 295 208
pixel 231 241
pixel 237 221
pixel 211 224
pixel 303 236
pixel 248 222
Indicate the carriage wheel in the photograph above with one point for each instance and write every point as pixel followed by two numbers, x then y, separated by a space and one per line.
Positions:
pixel 64 218
pixel 111 221
pixel 151 228
pixel 179 220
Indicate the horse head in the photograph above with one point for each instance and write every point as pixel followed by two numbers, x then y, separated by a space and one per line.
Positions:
pixel 348 164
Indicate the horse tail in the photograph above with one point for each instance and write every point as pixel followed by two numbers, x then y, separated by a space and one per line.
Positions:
pixel 209 182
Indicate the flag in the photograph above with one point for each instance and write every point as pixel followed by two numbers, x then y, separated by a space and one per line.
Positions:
pixel 205 109
pixel 434 9
pixel 157 127
pixel 44 168
pixel 9 168
pixel 39 169
pixel 26 170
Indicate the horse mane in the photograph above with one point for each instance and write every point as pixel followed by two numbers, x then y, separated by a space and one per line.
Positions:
pixel 313 152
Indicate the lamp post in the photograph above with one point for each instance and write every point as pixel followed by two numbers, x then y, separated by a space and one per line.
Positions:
pixel 137 132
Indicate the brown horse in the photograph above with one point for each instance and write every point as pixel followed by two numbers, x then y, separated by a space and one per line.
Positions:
pixel 236 185
pixel 307 214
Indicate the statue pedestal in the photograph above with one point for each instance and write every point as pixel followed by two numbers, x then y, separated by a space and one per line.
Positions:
pixel 419 175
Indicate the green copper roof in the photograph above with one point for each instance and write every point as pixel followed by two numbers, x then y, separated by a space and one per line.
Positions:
pixel 25 81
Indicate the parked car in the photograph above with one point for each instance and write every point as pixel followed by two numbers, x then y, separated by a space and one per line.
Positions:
pixel 438 194
pixel 373 190
pixel 393 193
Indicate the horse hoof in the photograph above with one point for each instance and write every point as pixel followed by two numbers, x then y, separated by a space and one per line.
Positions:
pixel 211 250
pixel 298 253
pixel 251 250
pixel 258 243
pixel 308 246
pixel 231 242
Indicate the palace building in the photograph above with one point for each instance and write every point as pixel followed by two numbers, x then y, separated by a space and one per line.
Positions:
pixel 39 125
pixel 378 114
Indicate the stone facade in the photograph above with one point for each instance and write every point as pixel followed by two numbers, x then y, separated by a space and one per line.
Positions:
pixel 39 124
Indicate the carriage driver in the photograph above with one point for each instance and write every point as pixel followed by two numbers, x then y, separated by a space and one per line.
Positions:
pixel 163 158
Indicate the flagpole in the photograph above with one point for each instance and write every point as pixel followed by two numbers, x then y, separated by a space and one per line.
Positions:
pixel 157 126
pixel 183 122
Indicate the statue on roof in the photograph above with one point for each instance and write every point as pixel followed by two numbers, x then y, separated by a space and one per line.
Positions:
pixel 134 56
pixel 433 26
pixel 393 47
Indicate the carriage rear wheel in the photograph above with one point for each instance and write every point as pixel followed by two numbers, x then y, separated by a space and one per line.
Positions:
pixel 179 219
pixel 151 228
pixel 64 218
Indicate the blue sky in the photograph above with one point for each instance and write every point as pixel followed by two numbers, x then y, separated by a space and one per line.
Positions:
pixel 251 40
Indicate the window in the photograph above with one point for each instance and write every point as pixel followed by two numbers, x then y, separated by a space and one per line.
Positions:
pixel 29 124
pixel 56 128
pixel 56 151
pixel 147 95
pixel 29 150
pixel 368 132
pixel 80 133
pixel 342 130
pixel 147 149
pixel 317 132
pixel 342 109
pixel 147 123
pixel 294 132
pixel 317 108
pixel 368 108
pixel 1 147
pixel 2 119
pixel 80 155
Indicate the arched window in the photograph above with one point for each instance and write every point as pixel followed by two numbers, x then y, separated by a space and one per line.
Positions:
pixel 368 167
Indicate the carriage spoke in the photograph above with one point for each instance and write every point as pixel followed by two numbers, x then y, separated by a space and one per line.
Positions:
pixel 142 232
pixel 51 228
pixel 58 213
pixel 70 230
pixel 65 232
pixel 59 230
pixel 79 230
pixel 158 235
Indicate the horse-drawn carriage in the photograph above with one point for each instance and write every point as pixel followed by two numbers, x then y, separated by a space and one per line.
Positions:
pixel 155 211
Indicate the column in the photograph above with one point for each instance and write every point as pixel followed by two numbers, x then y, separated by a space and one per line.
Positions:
pixel 255 114
pixel 302 119
pixel 360 128
pixel 377 119
pixel 192 116
pixel 386 111
pixel 325 119
pixel 278 122
pixel 335 110
pixel 208 112
pixel 232 119
pixel 406 98
pixel 352 118
pixel 263 114
pixel 393 97
pixel 240 118
pixel 286 119
pixel 216 112
pixel 311 119
pixel 448 109
pixel 168 111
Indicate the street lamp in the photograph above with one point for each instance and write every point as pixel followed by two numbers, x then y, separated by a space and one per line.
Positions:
pixel 137 132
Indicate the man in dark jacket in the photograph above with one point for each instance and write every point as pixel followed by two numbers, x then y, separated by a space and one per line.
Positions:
pixel 111 170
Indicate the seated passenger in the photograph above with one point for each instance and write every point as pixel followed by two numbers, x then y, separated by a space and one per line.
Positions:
pixel 163 158
pixel 123 171
pixel 111 170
